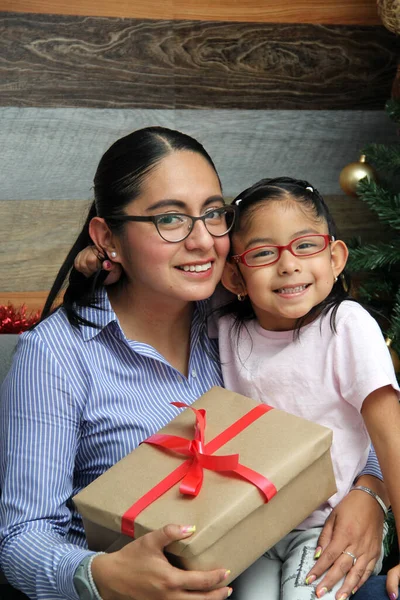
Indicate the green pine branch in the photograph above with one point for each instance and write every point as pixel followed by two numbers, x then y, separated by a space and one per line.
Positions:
pixel 394 329
pixel 392 107
pixel 385 158
pixel 382 201
pixel 375 256
pixel 375 287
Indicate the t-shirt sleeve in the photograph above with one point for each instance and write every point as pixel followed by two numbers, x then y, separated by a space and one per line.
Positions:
pixel 362 361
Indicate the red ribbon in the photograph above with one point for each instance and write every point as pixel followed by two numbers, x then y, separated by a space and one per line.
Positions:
pixel 190 473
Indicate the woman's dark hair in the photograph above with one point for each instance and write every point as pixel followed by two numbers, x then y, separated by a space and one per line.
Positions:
pixel 118 180
pixel 284 189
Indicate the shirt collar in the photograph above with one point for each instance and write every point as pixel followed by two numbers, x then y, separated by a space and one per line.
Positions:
pixel 101 314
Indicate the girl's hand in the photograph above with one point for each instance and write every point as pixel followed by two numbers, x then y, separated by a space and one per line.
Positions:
pixel 393 582
pixel 140 571
pixel 89 260
pixel 355 525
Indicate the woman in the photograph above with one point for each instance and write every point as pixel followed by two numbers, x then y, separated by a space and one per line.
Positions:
pixel 95 378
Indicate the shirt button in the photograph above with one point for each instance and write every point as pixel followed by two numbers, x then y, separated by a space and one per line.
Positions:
pixel 194 374
pixel 179 379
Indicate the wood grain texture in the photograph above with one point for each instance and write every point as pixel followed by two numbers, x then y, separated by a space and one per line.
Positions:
pixel 353 12
pixel 52 154
pixel 33 301
pixel 35 237
pixel 67 61
pixel 40 233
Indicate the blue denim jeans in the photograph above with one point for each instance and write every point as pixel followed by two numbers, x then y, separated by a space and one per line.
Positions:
pixel 281 572
pixel 373 589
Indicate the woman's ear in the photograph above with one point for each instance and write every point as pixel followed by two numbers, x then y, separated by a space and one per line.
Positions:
pixel 232 279
pixel 339 255
pixel 103 238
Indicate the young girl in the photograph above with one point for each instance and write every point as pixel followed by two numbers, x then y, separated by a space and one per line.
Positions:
pixel 293 338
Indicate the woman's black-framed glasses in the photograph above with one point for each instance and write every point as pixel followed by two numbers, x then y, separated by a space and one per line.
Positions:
pixel 176 227
pixel 304 246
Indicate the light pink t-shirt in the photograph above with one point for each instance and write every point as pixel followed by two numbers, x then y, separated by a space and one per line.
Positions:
pixel 322 376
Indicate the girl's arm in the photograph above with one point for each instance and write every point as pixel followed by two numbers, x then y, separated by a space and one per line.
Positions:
pixel 381 413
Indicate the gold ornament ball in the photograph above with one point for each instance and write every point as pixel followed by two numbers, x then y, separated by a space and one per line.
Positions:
pixel 353 173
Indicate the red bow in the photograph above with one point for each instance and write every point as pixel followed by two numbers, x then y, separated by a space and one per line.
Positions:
pixel 200 456
pixel 195 449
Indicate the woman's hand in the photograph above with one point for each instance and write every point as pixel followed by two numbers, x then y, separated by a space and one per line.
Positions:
pixel 140 571
pixel 89 260
pixel 355 525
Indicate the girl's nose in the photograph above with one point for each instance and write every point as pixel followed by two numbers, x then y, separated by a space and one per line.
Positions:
pixel 288 263
pixel 199 238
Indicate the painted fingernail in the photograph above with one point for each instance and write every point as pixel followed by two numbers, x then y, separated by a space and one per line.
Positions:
pixel 230 590
pixel 322 592
pixel 393 596
pixel 318 551
pixel 227 573
pixel 343 597
pixel 310 579
pixel 353 591
pixel 106 265
pixel 188 528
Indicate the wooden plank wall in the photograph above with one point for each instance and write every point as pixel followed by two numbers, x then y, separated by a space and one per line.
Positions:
pixel 290 88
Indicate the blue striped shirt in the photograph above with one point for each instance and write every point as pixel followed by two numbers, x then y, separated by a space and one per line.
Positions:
pixel 74 403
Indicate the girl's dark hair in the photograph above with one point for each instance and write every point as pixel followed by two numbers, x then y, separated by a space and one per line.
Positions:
pixel 285 188
pixel 118 180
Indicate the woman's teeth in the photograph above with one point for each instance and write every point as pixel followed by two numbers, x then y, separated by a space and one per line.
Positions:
pixel 196 268
pixel 292 290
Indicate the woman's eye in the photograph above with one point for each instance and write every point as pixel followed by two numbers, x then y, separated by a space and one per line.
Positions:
pixel 215 214
pixel 171 219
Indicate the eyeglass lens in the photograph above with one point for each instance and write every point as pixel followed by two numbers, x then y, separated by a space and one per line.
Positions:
pixel 174 227
pixel 304 246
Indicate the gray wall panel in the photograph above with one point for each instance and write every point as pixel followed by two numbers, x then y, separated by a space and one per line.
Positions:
pixel 53 153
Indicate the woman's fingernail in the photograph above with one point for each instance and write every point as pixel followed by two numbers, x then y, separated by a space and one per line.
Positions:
pixel 393 596
pixel 322 592
pixel 227 573
pixel 353 591
pixel 310 579
pixel 230 590
pixel 343 597
pixel 188 528
pixel 107 265
pixel 317 552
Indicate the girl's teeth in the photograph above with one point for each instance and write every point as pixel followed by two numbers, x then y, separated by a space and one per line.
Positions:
pixel 197 268
pixel 299 288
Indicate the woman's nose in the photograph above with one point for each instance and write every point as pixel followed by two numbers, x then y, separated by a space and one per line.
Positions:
pixel 199 237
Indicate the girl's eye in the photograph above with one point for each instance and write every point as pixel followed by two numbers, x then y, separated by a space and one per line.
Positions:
pixel 263 253
pixel 305 246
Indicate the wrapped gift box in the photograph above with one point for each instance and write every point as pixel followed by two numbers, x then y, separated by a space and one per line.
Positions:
pixel 234 524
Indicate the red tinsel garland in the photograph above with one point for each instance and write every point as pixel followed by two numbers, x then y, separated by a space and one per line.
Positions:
pixel 16 320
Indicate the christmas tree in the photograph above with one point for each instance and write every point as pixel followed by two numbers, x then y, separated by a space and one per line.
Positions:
pixel 377 265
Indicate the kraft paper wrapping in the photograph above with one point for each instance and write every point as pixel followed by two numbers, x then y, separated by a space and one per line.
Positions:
pixel 234 526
